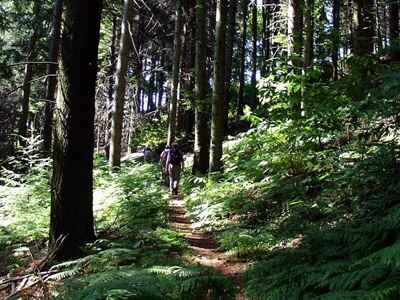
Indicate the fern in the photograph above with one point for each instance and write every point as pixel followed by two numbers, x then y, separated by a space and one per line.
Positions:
pixel 65 274
pixel 171 282
pixel 177 271
pixel 71 263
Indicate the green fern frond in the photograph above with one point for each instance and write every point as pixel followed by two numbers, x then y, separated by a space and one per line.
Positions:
pixel 65 274
pixel 71 263
pixel 389 256
pixel 177 271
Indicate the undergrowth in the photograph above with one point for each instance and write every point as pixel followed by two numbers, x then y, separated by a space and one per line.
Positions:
pixel 312 201
pixel 139 256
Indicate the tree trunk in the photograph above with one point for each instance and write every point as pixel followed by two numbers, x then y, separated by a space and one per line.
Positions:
pixel 151 87
pixel 240 99
pixel 188 83
pixel 363 43
pixel 110 91
pixel 393 21
pixel 51 83
pixel 266 35
pixel 72 181
pixel 295 31
pixel 175 73
pixel 309 32
pixel 254 56
pixel 217 120
pixel 161 78
pixel 117 113
pixel 230 41
pixel 335 37
pixel 349 27
pixel 202 135
pixel 26 90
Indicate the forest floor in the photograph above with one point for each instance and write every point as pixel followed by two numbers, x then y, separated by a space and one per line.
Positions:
pixel 203 246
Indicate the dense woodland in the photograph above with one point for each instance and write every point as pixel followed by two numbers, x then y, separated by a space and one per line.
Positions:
pixel 288 112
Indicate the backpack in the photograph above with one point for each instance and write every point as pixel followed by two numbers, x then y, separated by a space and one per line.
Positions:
pixel 175 157
pixel 164 155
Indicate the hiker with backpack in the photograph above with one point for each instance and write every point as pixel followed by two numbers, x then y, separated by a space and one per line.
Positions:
pixel 163 164
pixel 174 164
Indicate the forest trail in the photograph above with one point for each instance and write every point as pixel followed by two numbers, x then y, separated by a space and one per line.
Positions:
pixel 203 246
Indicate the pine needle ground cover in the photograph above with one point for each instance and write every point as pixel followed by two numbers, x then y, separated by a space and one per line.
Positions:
pixel 312 201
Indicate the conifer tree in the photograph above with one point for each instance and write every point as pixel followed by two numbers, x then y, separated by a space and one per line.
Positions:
pixel 71 217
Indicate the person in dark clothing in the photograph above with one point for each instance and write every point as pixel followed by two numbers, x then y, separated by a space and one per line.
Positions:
pixel 175 165
pixel 163 164
pixel 147 153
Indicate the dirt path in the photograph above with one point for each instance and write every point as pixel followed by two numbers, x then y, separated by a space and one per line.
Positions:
pixel 203 245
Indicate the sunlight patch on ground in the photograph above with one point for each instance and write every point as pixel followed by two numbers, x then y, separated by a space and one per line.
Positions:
pixel 105 197
pixel 8 198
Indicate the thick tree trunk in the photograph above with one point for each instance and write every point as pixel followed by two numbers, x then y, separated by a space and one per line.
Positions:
pixel 117 113
pixel 254 55
pixel 202 135
pixel 175 73
pixel 72 182
pixel 309 34
pixel 393 21
pixel 230 41
pixel 335 37
pixel 394 29
pixel 51 83
pixel 363 43
pixel 295 31
pixel 240 99
pixel 217 118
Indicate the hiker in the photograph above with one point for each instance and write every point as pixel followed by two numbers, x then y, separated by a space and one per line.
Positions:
pixel 147 154
pixel 175 164
pixel 163 164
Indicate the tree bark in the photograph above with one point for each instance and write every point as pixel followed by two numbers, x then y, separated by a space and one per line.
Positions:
pixel 394 29
pixel 309 33
pixel 393 21
pixel 151 87
pixel 188 82
pixel 117 113
pixel 363 43
pixel 266 35
pixel 240 99
pixel 217 120
pixel 202 134
pixel 230 41
pixel 254 55
pixel 161 78
pixel 72 181
pixel 175 73
pixel 139 25
pixel 295 32
pixel 335 37
pixel 110 91
pixel 26 90
pixel 51 83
